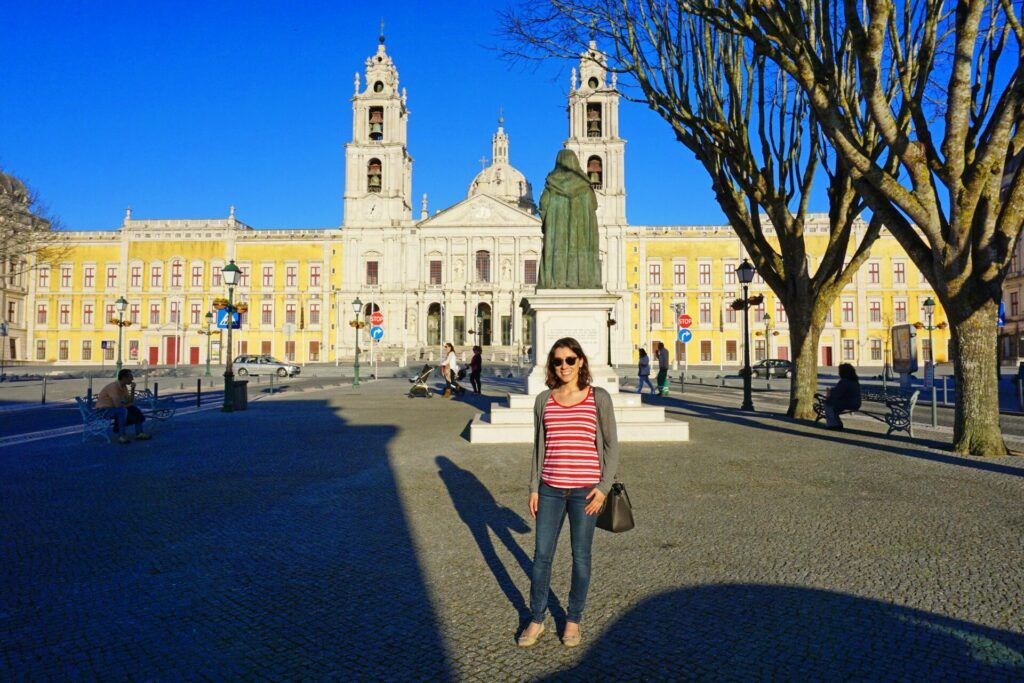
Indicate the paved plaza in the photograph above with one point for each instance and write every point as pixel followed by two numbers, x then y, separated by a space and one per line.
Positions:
pixel 355 533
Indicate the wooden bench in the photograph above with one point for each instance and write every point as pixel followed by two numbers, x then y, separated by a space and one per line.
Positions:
pixel 900 405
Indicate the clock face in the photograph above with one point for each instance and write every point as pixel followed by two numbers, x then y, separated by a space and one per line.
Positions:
pixel 374 209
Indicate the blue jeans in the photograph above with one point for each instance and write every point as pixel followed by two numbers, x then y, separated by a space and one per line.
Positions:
pixel 552 509
pixel 644 379
pixel 125 416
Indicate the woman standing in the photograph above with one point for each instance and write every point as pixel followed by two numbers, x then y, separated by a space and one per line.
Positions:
pixel 644 372
pixel 575 459
pixel 476 366
pixel 450 370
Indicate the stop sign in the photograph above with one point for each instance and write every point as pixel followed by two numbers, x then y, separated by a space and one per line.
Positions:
pixel 377 318
pixel 685 320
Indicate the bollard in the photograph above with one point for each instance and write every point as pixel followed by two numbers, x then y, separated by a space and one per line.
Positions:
pixel 199 391
pixel 1020 394
pixel 44 391
pixel 935 394
pixel 145 382
pixel 88 393
pixel 723 382
pixel 702 380
pixel 271 384
pixel 181 386
pixel 945 390
pixel 156 390
pixel 769 382
pixel 682 382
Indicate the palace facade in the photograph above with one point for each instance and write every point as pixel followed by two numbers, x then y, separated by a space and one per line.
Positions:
pixel 457 275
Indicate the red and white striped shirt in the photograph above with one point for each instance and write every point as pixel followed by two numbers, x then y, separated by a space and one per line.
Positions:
pixel 570 444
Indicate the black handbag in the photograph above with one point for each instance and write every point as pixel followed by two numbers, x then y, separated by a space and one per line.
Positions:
pixel 617 514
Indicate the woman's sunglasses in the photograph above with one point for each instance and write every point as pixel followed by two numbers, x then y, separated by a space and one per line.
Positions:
pixel 570 361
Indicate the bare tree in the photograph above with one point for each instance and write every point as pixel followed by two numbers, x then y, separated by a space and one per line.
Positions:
pixel 28 237
pixel 751 128
pixel 956 201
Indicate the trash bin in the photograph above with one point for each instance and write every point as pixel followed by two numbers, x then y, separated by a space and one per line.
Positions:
pixel 241 397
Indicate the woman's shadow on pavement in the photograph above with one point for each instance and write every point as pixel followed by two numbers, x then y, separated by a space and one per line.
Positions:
pixel 483 514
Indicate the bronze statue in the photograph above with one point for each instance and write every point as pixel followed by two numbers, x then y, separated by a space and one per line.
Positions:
pixel 568 209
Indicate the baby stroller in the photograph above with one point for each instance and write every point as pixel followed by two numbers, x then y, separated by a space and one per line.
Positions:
pixel 419 383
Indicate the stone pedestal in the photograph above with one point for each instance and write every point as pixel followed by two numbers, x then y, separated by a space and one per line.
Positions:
pixel 582 314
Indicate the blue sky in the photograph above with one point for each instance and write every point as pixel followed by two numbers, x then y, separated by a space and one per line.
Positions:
pixel 182 109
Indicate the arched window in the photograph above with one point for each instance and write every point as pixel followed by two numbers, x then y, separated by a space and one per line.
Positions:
pixel 373 175
pixel 595 171
pixel 483 266
pixel 594 121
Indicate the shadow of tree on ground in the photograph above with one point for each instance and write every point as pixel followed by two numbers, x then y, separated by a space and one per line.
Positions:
pixel 758 632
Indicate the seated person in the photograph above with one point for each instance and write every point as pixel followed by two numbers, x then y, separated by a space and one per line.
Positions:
pixel 117 401
pixel 845 395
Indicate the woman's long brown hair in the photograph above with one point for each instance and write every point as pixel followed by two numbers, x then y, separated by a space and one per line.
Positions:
pixel 551 379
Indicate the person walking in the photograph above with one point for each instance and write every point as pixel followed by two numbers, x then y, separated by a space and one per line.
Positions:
pixel 845 395
pixel 662 369
pixel 450 370
pixel 644 372
pixel 575 460
pixel 476 366
pixel 117 401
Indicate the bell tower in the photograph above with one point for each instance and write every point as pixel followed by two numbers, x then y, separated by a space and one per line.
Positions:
pixel 594 134
pixel 378 168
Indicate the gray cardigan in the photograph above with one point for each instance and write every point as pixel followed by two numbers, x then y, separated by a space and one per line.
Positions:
pixel 607 440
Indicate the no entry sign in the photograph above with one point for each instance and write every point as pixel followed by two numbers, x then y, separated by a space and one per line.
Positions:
pixel 376 318
pixel 685 321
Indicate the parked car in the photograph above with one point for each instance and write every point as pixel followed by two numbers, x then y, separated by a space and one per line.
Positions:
pixel 773 367
pixel 264 365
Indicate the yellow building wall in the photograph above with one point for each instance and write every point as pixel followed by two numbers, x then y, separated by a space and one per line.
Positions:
pixel 857 333
pixel 165 336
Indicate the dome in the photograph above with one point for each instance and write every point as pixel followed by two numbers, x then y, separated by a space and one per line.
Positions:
pixel 501 180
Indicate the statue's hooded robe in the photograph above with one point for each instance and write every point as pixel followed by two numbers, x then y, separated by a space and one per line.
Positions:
pixel 568 208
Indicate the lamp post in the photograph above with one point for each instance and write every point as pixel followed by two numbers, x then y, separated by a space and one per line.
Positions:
pixel 3 346
pixel 231 274
pixel 120 305
pixel 209 339
pixel 767 337
pixel 929 311
pixel 357 308
pixel 745 274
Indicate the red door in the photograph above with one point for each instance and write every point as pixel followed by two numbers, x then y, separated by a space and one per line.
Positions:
pixel 170 350
pixel 193 355
pixel 826 356
pixel 154 355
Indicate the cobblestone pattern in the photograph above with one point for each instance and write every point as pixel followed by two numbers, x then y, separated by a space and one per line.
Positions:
pixel 331 535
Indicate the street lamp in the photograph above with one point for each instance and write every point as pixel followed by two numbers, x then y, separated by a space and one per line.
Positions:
pixel 231 274
pixel 767 337
pixel 357 308
pixel 929 311
pixel 209 339
pixel 120 305
pixel 745 274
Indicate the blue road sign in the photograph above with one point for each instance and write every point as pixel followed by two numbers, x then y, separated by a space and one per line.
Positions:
pixel 222 320
pixel 1001 317
pixel 376 333
pixel 685 335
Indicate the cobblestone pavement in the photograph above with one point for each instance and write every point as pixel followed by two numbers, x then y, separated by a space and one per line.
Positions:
pixel 356 533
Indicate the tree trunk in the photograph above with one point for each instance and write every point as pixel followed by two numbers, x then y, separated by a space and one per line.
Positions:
pixel 976 428
pixel 804 335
